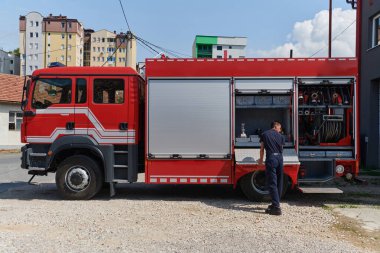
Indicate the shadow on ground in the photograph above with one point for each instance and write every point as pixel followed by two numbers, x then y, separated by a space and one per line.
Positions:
pixel 214 195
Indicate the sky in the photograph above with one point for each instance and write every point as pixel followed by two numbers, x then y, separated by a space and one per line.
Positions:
pixel 272 27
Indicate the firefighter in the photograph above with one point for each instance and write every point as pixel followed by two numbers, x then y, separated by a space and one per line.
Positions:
pixel 273 142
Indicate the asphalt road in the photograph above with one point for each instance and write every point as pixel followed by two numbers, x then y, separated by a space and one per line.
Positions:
pixel 11 174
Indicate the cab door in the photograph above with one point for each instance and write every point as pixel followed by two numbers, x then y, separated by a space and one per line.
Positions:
pixel 108 109
pixel 81 105
pixel 51 111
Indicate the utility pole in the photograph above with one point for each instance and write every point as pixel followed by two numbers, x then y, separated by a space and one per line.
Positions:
pixel 131 50
pixel 330 27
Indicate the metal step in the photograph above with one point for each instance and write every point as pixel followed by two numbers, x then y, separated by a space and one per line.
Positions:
pixel 38 154
pixel 120 152
pixel 322 190
pixel 120 166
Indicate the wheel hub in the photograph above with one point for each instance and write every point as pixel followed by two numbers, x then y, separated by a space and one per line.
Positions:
pixel 77 178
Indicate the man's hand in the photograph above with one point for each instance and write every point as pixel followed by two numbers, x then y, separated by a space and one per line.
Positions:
pixel 260 161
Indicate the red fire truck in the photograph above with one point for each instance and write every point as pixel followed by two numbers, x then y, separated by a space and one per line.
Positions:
pixel 191 121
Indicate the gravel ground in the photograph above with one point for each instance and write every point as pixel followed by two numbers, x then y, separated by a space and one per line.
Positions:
pixel 143 218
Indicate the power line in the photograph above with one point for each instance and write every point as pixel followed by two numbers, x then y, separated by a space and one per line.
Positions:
pixel 145 47
pixel 146 44
pixel 125 16
pixel 337 36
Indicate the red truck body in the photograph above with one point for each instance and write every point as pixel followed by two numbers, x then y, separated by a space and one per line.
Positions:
pixel 185 123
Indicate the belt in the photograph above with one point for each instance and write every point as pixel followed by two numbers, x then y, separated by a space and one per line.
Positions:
pixel 276 154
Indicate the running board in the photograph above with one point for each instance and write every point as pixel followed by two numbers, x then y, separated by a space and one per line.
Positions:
pixel 321 190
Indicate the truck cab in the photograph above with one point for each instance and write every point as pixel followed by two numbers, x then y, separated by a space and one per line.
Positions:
pixel 84 124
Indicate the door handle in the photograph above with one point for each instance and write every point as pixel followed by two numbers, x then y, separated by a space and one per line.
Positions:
pixel 123 126
pixel 29 113
pixel 70 125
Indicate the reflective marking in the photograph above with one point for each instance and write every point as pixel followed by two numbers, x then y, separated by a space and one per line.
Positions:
pixel 183 180
pixel 173 180
pixel 223 180
pixel 163 180
pixel 203 180
pixel 99 133
pixel 193 180
pixel 213 180
pixel 153 180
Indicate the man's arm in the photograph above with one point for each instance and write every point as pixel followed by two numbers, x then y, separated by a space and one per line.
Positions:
pixel 260 161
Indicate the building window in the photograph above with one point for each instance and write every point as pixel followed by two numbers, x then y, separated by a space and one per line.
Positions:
pixel 103 40
pixel 230 56
pixel 11 72
pixel 11 62
pixel 69 24
pixel 31 35
pixel 219 56
pixel 94 49
pixel 15 120
pixel 98 58
pixel 49 34
pixel 30 57
pixel 31 23
pixel 36 57
pixel 376 31
pixel 31 68
pixel 109 91
pixel 36 35
pixel 36 45
pixel 102 59
pixel 48 45
pixel 94 39
pixel 37 23
pixel 219 47
pixel 62 46
pixel 30 45
pixel 69 58
pixel 49 91
pixel 62 57
pixel 63 24
pixel 230 47
pixel 69 47
pixel 98 40
pixel 102 49
pixel 70 36
pixel 48 56
pixel 93 58
pixel 35 67
pixel 62 35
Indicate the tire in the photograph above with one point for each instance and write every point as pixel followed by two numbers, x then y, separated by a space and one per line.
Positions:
pixel 78 178
pixel 253 186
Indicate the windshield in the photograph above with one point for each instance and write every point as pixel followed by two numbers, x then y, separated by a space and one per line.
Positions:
pixel 51 91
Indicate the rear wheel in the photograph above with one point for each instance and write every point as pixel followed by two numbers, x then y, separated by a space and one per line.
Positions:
pixel 78 178
pixel 253 186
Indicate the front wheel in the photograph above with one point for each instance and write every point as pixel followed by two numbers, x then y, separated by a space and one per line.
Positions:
pixel 253 186
pixel 78 178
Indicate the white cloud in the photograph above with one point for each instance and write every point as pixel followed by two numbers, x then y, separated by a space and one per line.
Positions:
pixel 309 36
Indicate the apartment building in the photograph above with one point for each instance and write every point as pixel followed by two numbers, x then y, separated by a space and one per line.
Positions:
pixel 108 49
pixel 219 47
pixel 87 47
pixel 9 63
pixel 49 39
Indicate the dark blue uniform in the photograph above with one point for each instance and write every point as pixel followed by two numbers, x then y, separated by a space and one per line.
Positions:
pixel 273 144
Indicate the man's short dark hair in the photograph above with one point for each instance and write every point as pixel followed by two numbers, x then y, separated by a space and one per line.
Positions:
pixel 275 123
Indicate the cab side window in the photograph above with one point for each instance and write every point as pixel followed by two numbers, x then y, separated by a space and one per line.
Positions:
pixel 108 91
pixel 81 91
pixel 49 91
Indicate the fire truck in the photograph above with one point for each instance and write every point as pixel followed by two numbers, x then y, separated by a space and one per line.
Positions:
pixel 191 121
